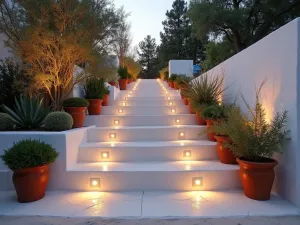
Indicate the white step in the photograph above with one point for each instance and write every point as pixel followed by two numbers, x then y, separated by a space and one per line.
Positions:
pixel 145 133
pixel 144 110
pixel 152 176
pixel 147 151
pixel 140 120
pixel 150 102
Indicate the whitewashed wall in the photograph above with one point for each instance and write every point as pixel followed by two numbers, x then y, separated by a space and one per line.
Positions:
pixel 4 51
pixel 182 67
pixel 275 58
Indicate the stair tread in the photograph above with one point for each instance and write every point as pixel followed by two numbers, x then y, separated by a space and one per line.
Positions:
pixel 148 127
pixel 142 115
pixel 148 144
pixel 175 166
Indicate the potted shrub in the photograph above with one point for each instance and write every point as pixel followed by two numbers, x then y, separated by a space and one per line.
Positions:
pixel 123 74
pixel 94 93
pixel 106 96
pixel 76 108
pixel 58 121
pixel 30 160
pixel 130 78
pixel 113 80
pixel 211 115
pixel 255 141
pixel 203 91
pixel 172 80
pixel 6 122
pixel 220 128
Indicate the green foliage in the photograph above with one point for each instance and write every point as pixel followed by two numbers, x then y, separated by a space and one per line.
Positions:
pixel 254 139
pixel 6 122
pixel 213 112
pixel 148 58
pixel 106 90
pixel 182 81
pixel 29 153
pixel 164 73
pixel 241 22
pixel 123 72
pixel 204 90
pixel 58 121
pixel 27 113
pixel 133 67
pixel 173 77
pixel 177 41
pixel 75 102
pixel 94 88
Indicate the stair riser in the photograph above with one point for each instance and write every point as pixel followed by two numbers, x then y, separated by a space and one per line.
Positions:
pixel 148 181
pixel 136 154
pixel 167 110
pixel 109 120
pixel 145 134
pixel 162 102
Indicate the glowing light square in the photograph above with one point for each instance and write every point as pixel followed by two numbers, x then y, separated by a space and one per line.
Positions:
pixel 173 111
pixel 197 182
pixel 105 155
pixel 116 122
pixel 94 182
pixel 181 135
pixel 112 136
pixel 120 110
pixel 123 103
pixel 177 121
pixel 170 103
pixel 187 154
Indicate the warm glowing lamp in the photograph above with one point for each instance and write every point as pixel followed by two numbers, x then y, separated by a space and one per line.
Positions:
pixel 94 182
pixel 112 136
pixel 187 153
pixel 197 181
pixel 120 110
pixel 177 121
pixel 105 155
pixel 173 111
pixel 181 135
pixel 116 122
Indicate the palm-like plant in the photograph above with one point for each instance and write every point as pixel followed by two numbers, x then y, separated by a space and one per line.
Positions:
pixel 204 90
pixel 28 113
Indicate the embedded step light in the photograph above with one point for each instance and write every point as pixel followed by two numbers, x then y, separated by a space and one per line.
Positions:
pixel 197 182
pixel 187 154
pixel 120 110
pixel 94 182
pixel 105 155
pixel 116 122
pixel 112 135
pixel 181 135
pixel 177 121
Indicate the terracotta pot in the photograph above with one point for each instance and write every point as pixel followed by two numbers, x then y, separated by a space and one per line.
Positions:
pixel 113 83
pixel 105 100
pixel 257 178
pixel 175 86
pixel 172 84
pixel 95 106
pixel 225 154
pixel 78 115
pixel 186 101
pixel 199 119
pixel 123 84
pixel 31 183
pixel 169 83
pixel 210 135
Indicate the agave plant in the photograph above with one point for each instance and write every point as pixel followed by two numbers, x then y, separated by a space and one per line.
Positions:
pixel 27 113
pixel 204 91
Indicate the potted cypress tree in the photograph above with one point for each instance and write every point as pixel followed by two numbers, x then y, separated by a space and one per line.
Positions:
pixel 255 141
pixel 76 107
pixel 94 93
pixel 30 160
pixel 123 74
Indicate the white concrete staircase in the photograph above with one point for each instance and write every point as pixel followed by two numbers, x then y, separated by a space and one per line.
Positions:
pixel 141 142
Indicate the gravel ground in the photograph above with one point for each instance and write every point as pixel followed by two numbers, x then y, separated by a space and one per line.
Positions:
pixel 290 220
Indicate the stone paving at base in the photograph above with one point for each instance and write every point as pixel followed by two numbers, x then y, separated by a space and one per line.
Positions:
pixel 290 220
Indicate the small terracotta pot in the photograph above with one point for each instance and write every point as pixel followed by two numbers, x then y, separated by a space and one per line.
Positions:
pixel 199 119
pixel 169 83
pixel 105 100
pixel 31 183
pixel 175 86
pixel 225 154
pixel 123 84
pixel 210 135
pixel 257 178
pixel 185 101
pixel 95 106
pixel 78 115
pixel 113 83
pixel 172 84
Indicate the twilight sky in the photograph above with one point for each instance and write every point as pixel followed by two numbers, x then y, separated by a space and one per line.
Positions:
pixel 146 17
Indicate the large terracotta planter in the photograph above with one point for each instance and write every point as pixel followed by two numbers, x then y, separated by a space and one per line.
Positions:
pixel 123 84
pixel 105 100
pixel 199 119
pixel 185 101
pixel 172 84
pixel 31 183
pixel 225 154
pixel 113 83
pixel 78 115
pixel 257 178
pixel 95 106
pixel 210 135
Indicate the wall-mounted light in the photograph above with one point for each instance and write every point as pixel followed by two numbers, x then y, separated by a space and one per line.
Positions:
pixel 170 103
pixel 197 181
pixel 94 182
pixel 112 135
pixel 104 155
pixel 123 103
pixel 128 95
pixel 177 121
pixel 116 122
pixel 120 110
pixel 187 154
pixel 173 110
pixel 169 98
pixel 181 135
pixel 126 98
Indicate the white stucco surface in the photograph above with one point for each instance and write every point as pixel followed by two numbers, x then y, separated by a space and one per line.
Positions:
pixel 275 58
pixel 4 51
pixel 181 67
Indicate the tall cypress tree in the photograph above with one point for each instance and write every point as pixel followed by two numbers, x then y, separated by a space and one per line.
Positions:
pixel 148 57
pixel 177 41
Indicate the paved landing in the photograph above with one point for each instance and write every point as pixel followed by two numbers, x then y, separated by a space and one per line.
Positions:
pixel 135 205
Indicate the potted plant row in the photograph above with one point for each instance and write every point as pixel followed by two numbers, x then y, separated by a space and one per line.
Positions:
pixel 76 107
pixel 123 74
